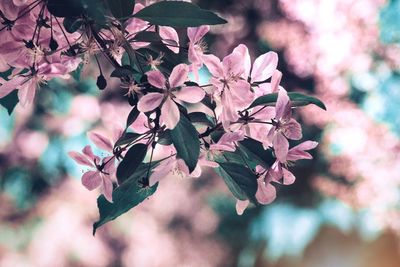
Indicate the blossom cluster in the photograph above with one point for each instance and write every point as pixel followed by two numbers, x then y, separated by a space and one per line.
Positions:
pixel 240 123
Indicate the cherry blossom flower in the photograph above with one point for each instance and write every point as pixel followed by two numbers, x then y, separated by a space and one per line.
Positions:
pixel 173 89
pixel 100 175
pixel 197 46
pixel 284 126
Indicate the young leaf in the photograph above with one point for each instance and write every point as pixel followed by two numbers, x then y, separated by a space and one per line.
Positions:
pixel 10 101
pixel 128 195
pixel 121 9
pixel 186 141
pixel 297 100
pixel 241 181
pixel 133 158
pixel 178 14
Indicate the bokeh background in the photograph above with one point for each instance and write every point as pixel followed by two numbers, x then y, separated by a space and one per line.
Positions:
pixel 343 210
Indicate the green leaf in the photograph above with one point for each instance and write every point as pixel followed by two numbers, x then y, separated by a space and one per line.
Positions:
pixel 126 138
pixel 186 141
pixel 71 24
pixel 133 158
pixel 241 181
pixel 10 101
pixel 76 74
pixel 146 36
pixel 121 9
pixel 124 71
pixel 200 117
pixel 256 153
pixel 297 100
pixel 178 14
pixel 132 116
pixel 128 195
pixel 164 138
pixel 71 8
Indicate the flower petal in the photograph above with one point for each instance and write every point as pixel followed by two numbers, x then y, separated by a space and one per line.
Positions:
pixel 190 94
pixel 80 159
pixel 178 75
pixel 196 33
pixel 149 102
pixel 264 66
pixel 169 36
pixel 91 180
pixel 288 177
pixel 213 65
pixel 9 86
pixel 282 104
pixel 100 141
pixel 275 81
pixel 281 146
pixel 156 78
pixel 107 188
pixel 292 130
pixel 170 113
pixel 244 51
pixel 26 93
pixel 162 170
pixel 266 193
pixel 241 205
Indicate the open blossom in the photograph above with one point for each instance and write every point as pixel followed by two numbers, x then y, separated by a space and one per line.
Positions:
pixel 27 83
pixel 172 89
pixel 101 171
pixel 196 46
pixel 284 126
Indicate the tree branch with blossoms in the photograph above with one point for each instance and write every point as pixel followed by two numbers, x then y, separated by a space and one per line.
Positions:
pixel 240 123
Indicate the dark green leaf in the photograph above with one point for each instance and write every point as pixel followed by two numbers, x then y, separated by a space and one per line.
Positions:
pixel 146 36
pixel 241 181
pixel 76 74
pixel 164 138
pixel 132 116
pixel 71 25
pixel 200 117
pixel 297 100
pixel 127 138
pixel 208 102
pixel 128 195
pixel 124 71
pixel 186 141
pixel 121 9
pixel 101 82
pixel 71 8
pixel 178 14
pixel 10 101
pixel 133 158
pixel 255 152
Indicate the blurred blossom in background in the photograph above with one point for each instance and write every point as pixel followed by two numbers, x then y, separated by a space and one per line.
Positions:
pixel 343 210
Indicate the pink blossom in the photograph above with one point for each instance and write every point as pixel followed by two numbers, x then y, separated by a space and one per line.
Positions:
pixel 100 175
pixel 284 126
pixel 196 46
pixel 172 90
pixel 228 141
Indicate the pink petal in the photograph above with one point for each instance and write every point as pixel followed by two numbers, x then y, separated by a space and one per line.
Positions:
pixel 107 188
pixel 170 113
pixel 264 66
pixel 244 51
pixel 213 65
pixel 298 152
pixel 80 159
pixel 194 55
pixel 149 102
pixel 281 146
pixel 241 205
pixel 233 64
pixel 292 130
pixel 109 168
pixel 196 33
pixel 156 78
pixel 178 75
pixel 9 86
pixel 266 193
pixel 169 36
pixel 275 81
pixel 190 94
pixel 100 141
pixel 281 104
pixel 162 170
pixel 182 167
pixel 288 177
pixel 26 93
pixel 91 180
pixel 307 145
pixel 87 151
